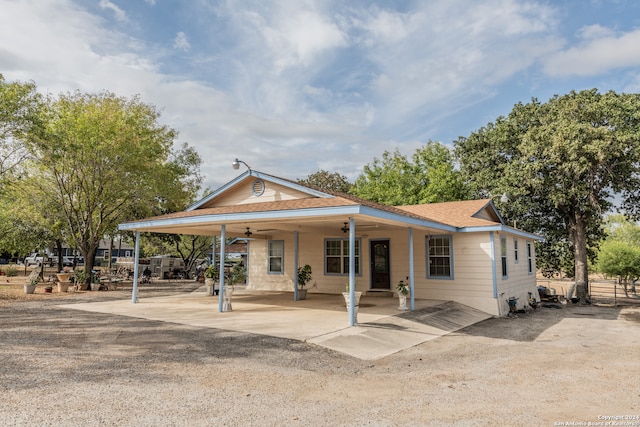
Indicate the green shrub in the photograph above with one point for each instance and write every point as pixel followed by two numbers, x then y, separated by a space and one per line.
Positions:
pixel 11 271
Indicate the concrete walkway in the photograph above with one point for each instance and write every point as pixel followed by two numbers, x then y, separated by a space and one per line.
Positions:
pixel 321 319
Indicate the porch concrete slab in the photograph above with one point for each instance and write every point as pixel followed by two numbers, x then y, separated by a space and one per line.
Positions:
pixel 321 319
pixel 382 337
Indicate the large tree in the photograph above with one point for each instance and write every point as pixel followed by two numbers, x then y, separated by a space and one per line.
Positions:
pixel 430 176
pixel 561 162
pixel 331 181
pixel 100 160
pixel 19 103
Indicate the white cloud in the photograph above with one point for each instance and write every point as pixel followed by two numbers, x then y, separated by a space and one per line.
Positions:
pixel 118 13
pixel 600 52
pixel 289 86
pixel 181 42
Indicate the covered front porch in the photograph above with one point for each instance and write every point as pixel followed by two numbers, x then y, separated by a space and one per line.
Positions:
pixel 381 329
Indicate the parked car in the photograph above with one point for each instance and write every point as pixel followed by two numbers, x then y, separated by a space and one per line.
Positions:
pixel 68 260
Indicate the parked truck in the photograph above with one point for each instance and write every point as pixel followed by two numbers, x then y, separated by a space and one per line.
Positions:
pixel 38 258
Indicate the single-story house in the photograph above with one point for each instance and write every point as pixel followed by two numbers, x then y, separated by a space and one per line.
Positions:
pixel 459 251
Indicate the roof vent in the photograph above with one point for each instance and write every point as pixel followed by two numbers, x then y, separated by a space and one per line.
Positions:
pixel 257 188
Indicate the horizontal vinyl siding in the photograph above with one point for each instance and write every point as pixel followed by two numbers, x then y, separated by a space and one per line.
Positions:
pixel 519 283
pixel 243 194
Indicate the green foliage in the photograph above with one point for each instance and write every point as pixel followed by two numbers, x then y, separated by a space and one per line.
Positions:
pixel 81 276
pixel 238 274
pixel 560 162
pixel 211 272
pixel 328 181
pixel 620 259
pixel 100 160
pixel 19 103
pixel 429 177
pixel 304 275
pixel 402 288
pixel 11 271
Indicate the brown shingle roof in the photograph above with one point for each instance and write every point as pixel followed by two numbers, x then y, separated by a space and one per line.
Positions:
pixel 457 214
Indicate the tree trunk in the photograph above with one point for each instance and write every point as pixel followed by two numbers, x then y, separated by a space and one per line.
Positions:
pixel 89 255
pixel 580 254
pixel 59 260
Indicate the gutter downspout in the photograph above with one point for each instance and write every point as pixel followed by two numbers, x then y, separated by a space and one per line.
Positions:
pixel 494 278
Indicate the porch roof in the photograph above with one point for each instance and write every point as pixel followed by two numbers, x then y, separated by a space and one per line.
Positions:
pixel 319 211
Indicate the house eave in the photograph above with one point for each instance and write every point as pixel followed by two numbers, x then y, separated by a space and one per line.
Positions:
pixel 503 228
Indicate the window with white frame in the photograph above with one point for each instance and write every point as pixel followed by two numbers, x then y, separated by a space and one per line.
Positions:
pixel 503 255
pixel 440 253
pixel 336 256
pixel 529 258
pixel 275 257
pixel 516 257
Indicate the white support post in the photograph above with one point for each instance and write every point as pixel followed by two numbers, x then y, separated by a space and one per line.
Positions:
pixel 295 266
pixel 352 271
pixel 411 271
pixel 136 261
pixel 223 239
pixel 213 262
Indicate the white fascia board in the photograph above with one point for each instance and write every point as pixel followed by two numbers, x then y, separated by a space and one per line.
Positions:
pixel 243 216
pixel 377 213
pixel 502 228
pixel 220 190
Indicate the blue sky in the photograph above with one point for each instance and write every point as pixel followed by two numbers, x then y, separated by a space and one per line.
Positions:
pixel 294 86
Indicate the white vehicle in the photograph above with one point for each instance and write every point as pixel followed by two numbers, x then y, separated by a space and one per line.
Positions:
pixel 38 259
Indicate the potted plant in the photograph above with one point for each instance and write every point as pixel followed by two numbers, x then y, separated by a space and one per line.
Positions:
pixel 32 282
pixel 236 275
pixel 80 278
pixel 304 277
pixel 403 291
pixel 210 277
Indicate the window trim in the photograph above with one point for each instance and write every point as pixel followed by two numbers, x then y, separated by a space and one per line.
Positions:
pixel 451 275
pixel 269 271
pixel 358 242
pixel 516 255
pixel 529 258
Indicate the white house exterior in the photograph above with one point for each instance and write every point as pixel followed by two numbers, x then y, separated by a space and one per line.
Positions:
pixel 459 251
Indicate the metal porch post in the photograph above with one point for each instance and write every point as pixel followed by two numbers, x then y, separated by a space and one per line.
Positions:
pixel 411 270
pixel 136 260
pixel 213 262
pixel 352 271
pixel 223 239
pixel 295 266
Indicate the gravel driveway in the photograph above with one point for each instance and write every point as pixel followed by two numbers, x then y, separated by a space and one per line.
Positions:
pixel 71 368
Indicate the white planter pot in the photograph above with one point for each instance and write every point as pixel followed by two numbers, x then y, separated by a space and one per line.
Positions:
pixel 209 284
pixel 226 298
pixel 29 289
pixel 63 286
pixel 402 302
pixel 356 302
pixel 302 294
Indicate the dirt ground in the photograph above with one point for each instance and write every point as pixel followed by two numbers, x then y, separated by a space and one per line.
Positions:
pixel 558 365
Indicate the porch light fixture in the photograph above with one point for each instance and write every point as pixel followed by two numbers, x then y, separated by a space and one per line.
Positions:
pixel 345 228
pixel 236 164
pixel 248 233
